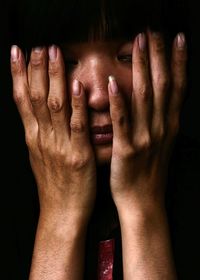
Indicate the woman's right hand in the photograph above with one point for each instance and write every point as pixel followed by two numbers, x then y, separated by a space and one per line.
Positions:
pixel 59 147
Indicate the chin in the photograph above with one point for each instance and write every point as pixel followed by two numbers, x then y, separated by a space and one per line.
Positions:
pixel 103 154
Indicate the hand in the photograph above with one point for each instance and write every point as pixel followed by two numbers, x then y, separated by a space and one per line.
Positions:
pixel 142 146
pixel 64 170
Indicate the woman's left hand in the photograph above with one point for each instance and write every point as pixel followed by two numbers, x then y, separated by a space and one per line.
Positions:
pixel 142 146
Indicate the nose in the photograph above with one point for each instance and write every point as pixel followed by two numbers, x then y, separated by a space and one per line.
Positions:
pixel 94 76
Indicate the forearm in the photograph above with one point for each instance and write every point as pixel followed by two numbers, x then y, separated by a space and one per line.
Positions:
pixel 146 244
pixel 58 250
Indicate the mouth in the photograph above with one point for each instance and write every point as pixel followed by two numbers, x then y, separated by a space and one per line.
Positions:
pixel 102 135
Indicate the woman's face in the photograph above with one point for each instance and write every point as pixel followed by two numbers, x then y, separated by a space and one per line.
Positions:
pixel 92 63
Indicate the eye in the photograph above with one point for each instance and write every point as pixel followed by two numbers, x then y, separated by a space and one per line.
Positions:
pixel 125 58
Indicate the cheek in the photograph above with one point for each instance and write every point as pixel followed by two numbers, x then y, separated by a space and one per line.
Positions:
pixel 122 74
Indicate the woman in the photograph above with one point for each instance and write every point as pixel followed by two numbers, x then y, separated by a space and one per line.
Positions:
pixel 100 109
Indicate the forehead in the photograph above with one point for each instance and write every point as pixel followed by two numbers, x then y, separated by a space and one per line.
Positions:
pixel 96 45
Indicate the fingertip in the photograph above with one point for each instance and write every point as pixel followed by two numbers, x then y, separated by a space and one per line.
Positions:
pixel 114 90
pixel 76 88
pixel 179 49
pixel 142 42
pixel 53 53
pixel 17 61
pixel 14 53
pixel 180 41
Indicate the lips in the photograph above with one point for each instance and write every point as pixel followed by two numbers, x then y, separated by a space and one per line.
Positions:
pixel 102 135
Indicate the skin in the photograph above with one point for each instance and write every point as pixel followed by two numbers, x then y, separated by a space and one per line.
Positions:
pixel 143 105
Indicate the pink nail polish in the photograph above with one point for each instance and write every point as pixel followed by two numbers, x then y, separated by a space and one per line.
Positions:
pixel 53 53
pixel 113 85
pixel 14 53
pixel 142 41
pixel 76 88
pixel 180 41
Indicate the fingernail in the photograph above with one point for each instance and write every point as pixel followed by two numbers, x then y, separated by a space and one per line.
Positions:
pixel 76 88
pixel 53 53
pixel 37 49
pixel 180 41
pixel 14 53
pixel 142 41
pixel 113 85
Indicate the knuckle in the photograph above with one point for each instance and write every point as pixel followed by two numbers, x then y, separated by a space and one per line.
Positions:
pixel 163 82
pixel 37 62
pixel 128 152
pixel 54 69
pixel 181 85
pixel 77 126
pixel 54 104
pixel 143 91
pixel 18 96
pixel 79 161
pixel 36 97
pixel 59 155
pixel 143 142
pixel 30 140
pixel 124 151
pixel 146 143
pixel 77 105
pixel 160 134
pixel 17 69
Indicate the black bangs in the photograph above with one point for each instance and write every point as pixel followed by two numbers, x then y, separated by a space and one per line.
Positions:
pixel 44 22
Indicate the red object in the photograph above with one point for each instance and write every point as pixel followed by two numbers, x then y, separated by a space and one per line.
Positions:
pixel 106 259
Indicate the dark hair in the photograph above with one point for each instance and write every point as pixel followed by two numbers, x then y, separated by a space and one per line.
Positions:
pixel 43 22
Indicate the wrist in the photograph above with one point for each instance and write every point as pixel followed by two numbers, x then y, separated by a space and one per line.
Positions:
pixel 140 211
pixel 140 198
pixel 59 248
pixel 146 240
pixel 62 224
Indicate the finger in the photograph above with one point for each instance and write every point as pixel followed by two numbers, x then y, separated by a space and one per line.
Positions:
pixel 39 88
pixel 179 74
pixel 79 119
pixel 118 113
pixel 160 80
pixel 21 90
pixel 142 92
pixel 29 74
pixel 57 100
